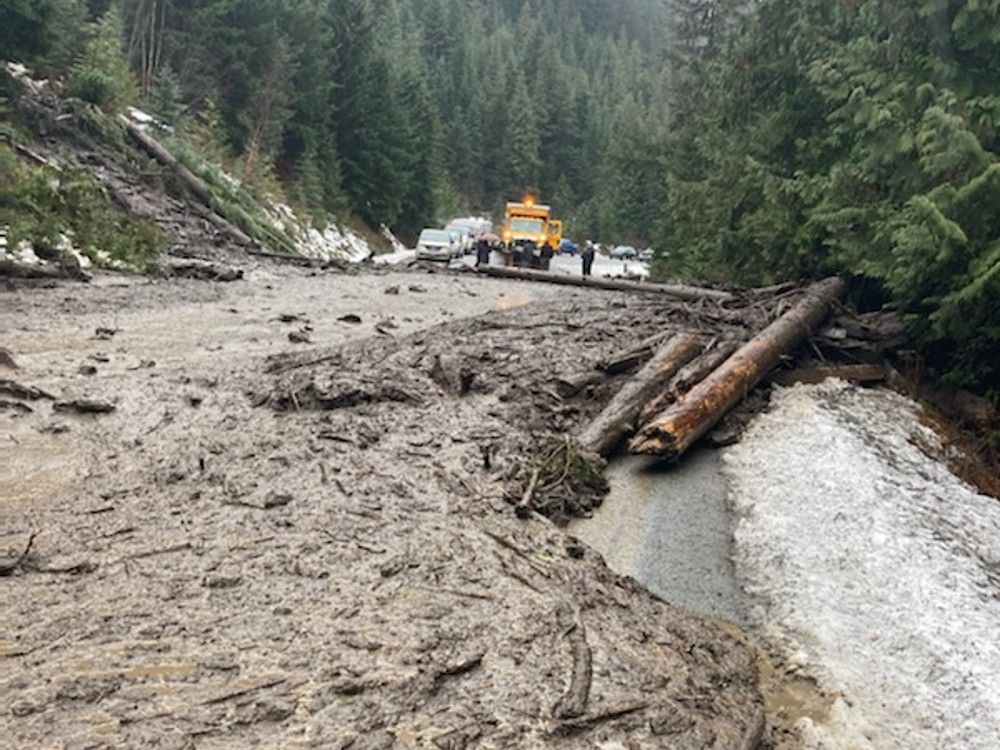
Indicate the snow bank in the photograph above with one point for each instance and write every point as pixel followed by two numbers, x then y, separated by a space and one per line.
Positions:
pixel 875 565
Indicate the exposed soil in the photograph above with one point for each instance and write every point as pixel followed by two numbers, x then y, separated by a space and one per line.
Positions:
pixel 281 544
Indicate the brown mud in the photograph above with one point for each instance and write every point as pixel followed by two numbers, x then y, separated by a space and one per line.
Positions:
pixel 313 545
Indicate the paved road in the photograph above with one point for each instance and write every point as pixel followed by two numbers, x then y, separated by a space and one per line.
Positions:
pixel 603 266
pixel 670 529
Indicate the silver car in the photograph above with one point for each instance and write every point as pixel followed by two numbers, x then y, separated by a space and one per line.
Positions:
pixel 436 244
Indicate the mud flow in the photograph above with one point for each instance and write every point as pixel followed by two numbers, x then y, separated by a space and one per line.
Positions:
pixel 294 524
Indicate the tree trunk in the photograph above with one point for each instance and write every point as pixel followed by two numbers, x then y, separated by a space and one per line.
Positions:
pixel 618 418
pixel 691 374
pixel 197 186
pixel 680 291
pixel 638 355
pixel 676 429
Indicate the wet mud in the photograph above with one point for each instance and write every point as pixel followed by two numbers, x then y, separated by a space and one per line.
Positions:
pixel 242 555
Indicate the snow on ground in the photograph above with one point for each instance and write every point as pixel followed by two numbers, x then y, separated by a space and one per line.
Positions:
pixel 603 266
pixel 874 566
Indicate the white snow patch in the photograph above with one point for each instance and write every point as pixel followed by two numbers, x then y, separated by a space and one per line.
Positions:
pixel 331 243
pixel 394 242
pixel 877 562
pixel 396 258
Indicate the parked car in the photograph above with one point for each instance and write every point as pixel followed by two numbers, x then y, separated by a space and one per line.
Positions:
pixel 437 244
pixel 568 247
pixel 647 255
pixel 466 237
pixel 624 252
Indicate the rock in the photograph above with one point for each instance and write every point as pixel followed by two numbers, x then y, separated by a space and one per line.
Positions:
pixel 299 337
pixel 352 319
pixel 105 334
pixel 23 392
pixel 219 581
pixel 87 370
pixel 276 500
pixel 203 271
pixel 448 372
pixel 7 359
pixel 417 289
pixel 14 406
pixel 85 406
pixel 273 709
pixel 394 290
pixel 24 708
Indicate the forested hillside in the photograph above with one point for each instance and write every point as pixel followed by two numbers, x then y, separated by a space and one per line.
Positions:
pixel 398 111
pixel 812 137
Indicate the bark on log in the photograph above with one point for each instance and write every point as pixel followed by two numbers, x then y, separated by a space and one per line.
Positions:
pixel 676 429
pixel 197 186
pixel 619 417
pixel 689 376
pixel 679 291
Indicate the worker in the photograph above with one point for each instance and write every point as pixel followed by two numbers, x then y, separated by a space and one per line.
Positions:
pixel 482 252
pixel 588 258
pixel 527 254
pixel 546 256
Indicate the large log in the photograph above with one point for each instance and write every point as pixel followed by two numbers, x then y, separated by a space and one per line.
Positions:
pixel 194 183
pixel 679 291
pixel 676 429
pixel 690 375
pixel 618 419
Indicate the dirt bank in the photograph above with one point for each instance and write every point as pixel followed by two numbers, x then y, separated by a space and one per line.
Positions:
pixel 286 533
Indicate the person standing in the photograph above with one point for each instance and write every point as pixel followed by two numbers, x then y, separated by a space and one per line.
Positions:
pixel 546 256
pixel 587 256
pixel 482 252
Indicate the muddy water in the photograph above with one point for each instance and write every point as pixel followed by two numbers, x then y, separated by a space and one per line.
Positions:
pixel 669 529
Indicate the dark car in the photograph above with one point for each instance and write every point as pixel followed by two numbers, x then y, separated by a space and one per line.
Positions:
pixel 568 247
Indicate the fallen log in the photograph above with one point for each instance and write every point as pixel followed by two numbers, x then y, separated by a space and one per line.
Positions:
pixel 690 375
pixel 676 429
pixel 638 355
pixel 679 291
pixel 851 373
pixel 197 185
pixel 26 271
pixel 570 385
pixel 619 417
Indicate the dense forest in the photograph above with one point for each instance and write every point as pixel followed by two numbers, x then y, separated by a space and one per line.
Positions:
pixel 750 142
pixel 812 137
pixel 399 111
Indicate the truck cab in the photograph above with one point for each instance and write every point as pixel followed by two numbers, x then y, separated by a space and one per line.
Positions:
pixel 528 222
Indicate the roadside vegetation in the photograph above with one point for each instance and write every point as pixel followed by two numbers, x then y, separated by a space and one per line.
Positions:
pixel 54 211
pixel 813 137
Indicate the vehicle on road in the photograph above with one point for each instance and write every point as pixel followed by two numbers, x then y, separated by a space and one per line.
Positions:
pixel 647 255
pixel 568 247
pixel 466 237
pixel 437 245
pixel 463 237
pixel 624 252
pixel 529 223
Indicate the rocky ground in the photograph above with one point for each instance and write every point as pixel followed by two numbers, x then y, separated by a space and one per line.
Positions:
pixel 294 529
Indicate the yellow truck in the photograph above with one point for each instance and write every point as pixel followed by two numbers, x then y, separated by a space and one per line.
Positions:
pixel 529 223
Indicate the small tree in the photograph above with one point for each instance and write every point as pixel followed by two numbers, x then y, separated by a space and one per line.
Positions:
pixel 101 74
